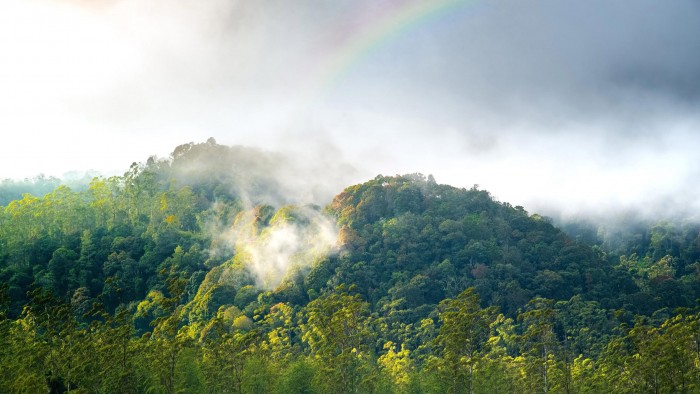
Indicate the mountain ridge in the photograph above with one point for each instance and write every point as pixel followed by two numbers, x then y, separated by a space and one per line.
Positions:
pixel 398 284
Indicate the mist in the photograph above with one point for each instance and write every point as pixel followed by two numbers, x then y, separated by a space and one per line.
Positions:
pixel 295 238
pixel 566 108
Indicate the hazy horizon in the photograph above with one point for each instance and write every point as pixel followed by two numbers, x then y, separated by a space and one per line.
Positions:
pixel 575 106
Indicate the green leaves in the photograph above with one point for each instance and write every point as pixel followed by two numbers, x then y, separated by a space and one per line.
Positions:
pixel 338 332
pixel 461 340
pixel 388 313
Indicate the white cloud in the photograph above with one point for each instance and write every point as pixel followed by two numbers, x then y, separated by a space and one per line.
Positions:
pixel 272 253
pixel 572 104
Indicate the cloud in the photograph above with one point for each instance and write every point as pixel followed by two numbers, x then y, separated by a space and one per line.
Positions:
pixel 545 103
pixel 294 239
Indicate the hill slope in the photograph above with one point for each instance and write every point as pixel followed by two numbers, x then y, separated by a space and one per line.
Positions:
pixel 194 273
pixel 411 241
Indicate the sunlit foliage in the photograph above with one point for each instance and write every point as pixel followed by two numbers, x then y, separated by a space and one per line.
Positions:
pixel 133 285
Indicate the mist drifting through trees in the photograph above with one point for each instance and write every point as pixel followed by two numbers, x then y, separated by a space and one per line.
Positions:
pixel 395 196
pixel 180 276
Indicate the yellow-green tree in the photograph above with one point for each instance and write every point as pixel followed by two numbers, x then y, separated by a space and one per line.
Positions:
pixel 538 344
pixel 460 342
pixel 338 332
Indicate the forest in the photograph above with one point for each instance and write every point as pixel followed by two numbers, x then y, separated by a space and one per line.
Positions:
pixel 197 273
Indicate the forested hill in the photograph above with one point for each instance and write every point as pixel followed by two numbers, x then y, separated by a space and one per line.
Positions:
pixel 411 242
pixel 195 274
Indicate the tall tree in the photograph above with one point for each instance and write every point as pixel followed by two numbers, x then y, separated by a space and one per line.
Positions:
pixel 464 331
pixel 338 331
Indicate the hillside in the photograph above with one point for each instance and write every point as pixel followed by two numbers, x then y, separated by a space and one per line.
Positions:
pixel 205 271
pixel 423 242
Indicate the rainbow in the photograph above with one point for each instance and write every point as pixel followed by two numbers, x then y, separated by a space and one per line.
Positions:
pixel 389 24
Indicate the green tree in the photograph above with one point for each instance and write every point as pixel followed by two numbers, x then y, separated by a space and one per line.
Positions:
pixel 61 263
pixel 169 337
pixel 463 333
pixel 224 356
pixel 398 366
pixel 338 332
pixel 538 343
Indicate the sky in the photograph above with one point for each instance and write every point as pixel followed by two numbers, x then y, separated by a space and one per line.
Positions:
pixel 578 105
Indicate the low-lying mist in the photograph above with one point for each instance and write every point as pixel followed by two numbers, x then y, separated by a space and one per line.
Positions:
pixel 279 227
pixel 294 238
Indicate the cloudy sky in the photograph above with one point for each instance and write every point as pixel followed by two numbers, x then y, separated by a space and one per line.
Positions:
pixel 575 104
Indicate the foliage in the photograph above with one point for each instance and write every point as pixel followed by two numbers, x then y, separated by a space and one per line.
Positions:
pixel 133 284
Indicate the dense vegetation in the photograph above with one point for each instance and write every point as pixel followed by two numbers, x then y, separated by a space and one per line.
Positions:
pixel 151 282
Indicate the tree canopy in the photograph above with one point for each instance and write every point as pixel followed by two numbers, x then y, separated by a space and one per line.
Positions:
pixel 154 281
